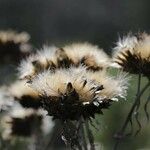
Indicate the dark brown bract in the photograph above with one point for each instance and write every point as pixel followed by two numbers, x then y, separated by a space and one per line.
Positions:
pixel 68 106
pixel 134 63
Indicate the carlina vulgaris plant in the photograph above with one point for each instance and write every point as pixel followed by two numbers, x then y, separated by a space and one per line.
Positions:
pixel 13 43
pixel 24 123
pixel 21 122
pixel 73 86
pixel 24 95
pixel 132 54
pixel 52 57
pixel 22 116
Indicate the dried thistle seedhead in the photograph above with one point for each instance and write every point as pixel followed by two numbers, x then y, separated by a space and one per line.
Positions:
pixel 25 95
pixel 21 122
pixel 75 92
pixel 132 53
pixel 14 44
pixel 35 63
pixel 87 54
pixel 54 58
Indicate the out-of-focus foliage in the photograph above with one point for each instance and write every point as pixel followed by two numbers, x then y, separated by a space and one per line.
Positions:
pixel 110 123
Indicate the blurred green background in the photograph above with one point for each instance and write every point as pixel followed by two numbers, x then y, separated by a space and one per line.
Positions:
pixel 99 22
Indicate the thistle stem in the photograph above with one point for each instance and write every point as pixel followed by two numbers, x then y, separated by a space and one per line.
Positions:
pixel 145 107
pixel 129 116
pixel 83 136
pixel 90 135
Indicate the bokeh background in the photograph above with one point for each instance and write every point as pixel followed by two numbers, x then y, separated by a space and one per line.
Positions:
pixel 101 22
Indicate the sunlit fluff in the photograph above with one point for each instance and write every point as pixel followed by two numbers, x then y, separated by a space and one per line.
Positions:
pixel 90 55
pixel 132 53
pixel 83 92
pixel 37 62
pixel 20 122
pixel 6 101
pixel 25 95
pixel 72 55
pixel 13 37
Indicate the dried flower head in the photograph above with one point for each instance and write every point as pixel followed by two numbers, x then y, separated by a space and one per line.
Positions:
pixel 90 55
pixel 25 95
pixel 72 55
pixel 75 92
pixel 132 53
pixel 14 44
pixel 72 85
pixel 21 122
pixel 35 63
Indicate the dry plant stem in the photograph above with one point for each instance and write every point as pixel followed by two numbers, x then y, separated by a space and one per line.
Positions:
pixel 71 135
pixel 136 113
pixel 83 136
pixel 145 107
pixel 129 117
pixel 54 135
pixel 90 135
pixel 78 132
pixel 38 141
pixel 3 144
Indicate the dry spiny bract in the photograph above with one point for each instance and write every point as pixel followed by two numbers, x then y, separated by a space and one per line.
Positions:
pixel 14 45
pixel 72 55
pixel 132 53
pixel 25 95
pixel 76 92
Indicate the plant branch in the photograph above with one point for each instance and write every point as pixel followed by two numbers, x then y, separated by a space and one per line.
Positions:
pixel 129 116
pixel 90 135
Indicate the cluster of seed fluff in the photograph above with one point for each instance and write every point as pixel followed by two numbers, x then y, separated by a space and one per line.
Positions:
pixel 11 37
pixel 25 95
pixel 72 81
pixel 6 101
pixel 90 55
pixel 23 122
pixel 22 113
pixel 72 55
pixel 75 92
pixel 54 83
pixel 132 53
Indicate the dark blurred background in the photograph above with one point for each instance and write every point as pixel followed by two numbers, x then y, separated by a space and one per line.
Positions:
pixel 97 21
pixel 63 21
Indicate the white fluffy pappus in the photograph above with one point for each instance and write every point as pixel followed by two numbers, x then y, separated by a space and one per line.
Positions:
pixel 114 87
pixel 47 53
pixel 126 43
pixel 132 54
pixel 77 51
pixel 20 88
pixel 27 69
pixel 55 83
pixel 10 35
pixel 17 111
pixel 143 46
pixel 6 101
pixel 52 84
pixel 137 46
